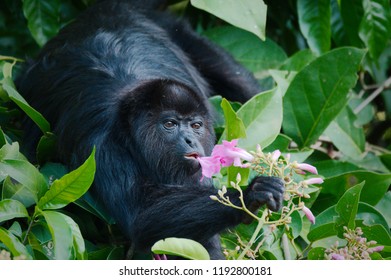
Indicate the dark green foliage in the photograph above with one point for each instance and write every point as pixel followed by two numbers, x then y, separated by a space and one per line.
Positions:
pixel 320 64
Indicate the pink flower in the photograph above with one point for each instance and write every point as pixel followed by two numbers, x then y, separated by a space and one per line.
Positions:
pixel 306 167
pixel 309 214
pixel 312 181
pixel 376 249
pixel 335 256
pixel 230 154
pixel 276 154
pixel 209 165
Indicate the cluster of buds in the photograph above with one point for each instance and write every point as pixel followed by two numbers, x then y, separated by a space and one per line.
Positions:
pixel 269 164
pixel 357 247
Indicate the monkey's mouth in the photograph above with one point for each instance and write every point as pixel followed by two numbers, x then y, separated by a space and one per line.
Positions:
pixel 192 156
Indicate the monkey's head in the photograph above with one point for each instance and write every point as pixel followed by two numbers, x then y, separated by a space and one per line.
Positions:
pixel 169 126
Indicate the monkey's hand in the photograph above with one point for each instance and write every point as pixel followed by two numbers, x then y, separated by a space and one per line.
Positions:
pixel 263 190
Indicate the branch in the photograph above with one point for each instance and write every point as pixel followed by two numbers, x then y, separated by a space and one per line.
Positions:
pixel 385 85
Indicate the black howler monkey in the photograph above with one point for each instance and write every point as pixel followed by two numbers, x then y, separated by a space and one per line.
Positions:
pixel 134 81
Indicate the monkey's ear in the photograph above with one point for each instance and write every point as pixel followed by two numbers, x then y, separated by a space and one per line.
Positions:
pixel 141 96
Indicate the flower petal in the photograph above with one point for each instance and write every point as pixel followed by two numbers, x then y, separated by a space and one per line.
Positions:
pixel 309 214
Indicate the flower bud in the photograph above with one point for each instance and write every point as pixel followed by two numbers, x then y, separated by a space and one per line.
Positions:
pixel 305 167
pixel 313 181
pixel 309 214
pixel 275 155
pixel 335 256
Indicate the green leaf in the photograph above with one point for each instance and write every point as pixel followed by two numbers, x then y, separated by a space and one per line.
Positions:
pixel 316 253
pixel 377 233
pixel 347 207
pixel 70 187
pixel 10 209
pixel 182 247
pixel 46 146
pixel 338 31
pixel 315 21
pixel 234 129
pixel 332 168
pixel 262 118
pixel 318 93
pixel 90 204
pixel 43 17
pixel 352 13
pixel 298 61
pixel 78 241
pixel 26 174
pixel 376 185
pixel 9 87
pixel 384 207
pixel 322 231
pixel 19 192
pixel 13 244
pixel 11 151
pixel 369 215
pixel 346 136
pixel 246 14
pixel 61 233
pixel 247 49
pixel 375 27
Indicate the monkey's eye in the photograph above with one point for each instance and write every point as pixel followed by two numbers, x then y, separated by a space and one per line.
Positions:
pixel 169 124
pixel 196 125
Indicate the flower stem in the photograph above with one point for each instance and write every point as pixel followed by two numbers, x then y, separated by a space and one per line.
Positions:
pixel 261 222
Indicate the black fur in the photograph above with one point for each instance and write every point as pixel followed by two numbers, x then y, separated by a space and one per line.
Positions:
pixel 118 78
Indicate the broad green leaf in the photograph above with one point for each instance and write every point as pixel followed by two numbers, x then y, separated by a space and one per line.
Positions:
pixel 16 229
pixel 182 247
pixel 347 207
pixel 332 168
pixel 43 17
pixel 262 118
pixel 90 204
pixel 10 209
pixel 246 14
pixel 384 207
pixel 234 125
pixel 16 191
pixel 338 32
pixel 375 27
pixel 61 233
pixel 376 185
pixel 46 146
pixel 234 129
pixel 53 171
pixel 318 93
pixel 315 22
pixel 13 244
pixel 70 187
pixel 247 49
pixel 26 174
pixel 316 253
pixel 11 151
pixel 323 231
pixel 376 232
pixel 352 13
pixel 78 241
pixel 345 135
pixel 370 162
pixel 369 215
pixel 298 61
pixel 9 87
